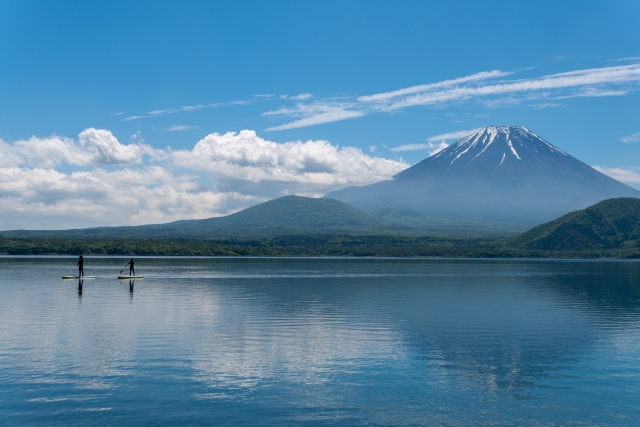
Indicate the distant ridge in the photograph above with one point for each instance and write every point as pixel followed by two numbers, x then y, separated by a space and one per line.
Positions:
pixel 282 216
pixel 610 224
pixel 500 173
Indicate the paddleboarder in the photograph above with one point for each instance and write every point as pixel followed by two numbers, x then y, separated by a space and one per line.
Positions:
pixel 132 270
pixel 80 265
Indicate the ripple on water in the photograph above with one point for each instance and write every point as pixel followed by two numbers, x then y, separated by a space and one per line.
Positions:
pixel 321 341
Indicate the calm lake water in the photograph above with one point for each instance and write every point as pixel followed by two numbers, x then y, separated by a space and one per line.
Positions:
pixel 299 342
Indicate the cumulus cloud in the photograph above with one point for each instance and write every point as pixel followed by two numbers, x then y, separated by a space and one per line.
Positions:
pixel 46 198
pixel 223 173
pixel 43 152
pixel 246 163
pixel 107 150
pixel 95 146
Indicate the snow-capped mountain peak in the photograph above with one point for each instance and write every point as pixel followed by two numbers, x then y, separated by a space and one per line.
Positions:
pixel 500 173
pixel 498 144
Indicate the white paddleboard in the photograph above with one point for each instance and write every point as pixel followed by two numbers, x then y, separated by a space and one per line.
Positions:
pixel 78 277
pixel 129 277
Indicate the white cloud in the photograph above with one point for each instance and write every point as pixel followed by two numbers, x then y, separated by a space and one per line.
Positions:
pixel 411 147
pixel 574 79
pixel 126 119
pixel 431 86
pixel 634 137
pixel 188 108
pixel 432 147
pixel 483 87
pixel 177 128
pixel 246 163
pixel 314 114
pixel 436 148
pixel 95 146
pixel 459 134
pixel 626 175
pixel 547 105
pixel 46 198
pixel 106 149
pixel 220 175
pixel 436 143
pixel 494 88
pixel 301 97
pixel 44 152
pixel 627 59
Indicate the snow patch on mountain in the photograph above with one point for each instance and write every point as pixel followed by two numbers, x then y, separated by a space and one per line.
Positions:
pixel 500 173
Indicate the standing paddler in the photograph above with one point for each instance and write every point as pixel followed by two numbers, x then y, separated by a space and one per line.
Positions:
pixel 132 270
pixel 80 265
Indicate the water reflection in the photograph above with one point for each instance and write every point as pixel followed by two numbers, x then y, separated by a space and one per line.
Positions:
pixel 310 340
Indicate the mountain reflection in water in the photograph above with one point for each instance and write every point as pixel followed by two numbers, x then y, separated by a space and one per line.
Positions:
pixel 321 341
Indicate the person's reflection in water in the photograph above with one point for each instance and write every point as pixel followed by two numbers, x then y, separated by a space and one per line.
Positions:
pixel 80 283
pixel 131 282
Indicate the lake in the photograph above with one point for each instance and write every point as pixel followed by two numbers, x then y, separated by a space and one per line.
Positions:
pixel 320 341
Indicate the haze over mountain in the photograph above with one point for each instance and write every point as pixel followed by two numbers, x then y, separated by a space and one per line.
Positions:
pixel 500 173
pixel 282 216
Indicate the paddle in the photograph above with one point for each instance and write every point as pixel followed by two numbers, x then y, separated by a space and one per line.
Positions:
pixel 123 269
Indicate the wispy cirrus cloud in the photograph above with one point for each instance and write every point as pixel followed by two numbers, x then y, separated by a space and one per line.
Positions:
pixel 178 128
pixel 634 137
pixel 315 114
pixel 435 143
pixel 431 147
pixel 485 75
pixel 630 176
pixel 185 108
pixel 453 135
pixel 299 97
pixel 494 88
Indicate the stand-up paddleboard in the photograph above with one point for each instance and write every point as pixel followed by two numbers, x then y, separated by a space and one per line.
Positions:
pixel 129 277
pixel 78 277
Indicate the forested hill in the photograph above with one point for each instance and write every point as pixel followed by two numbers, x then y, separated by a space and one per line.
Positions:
pixel 295 226
pixel 610 224
pixel 283 216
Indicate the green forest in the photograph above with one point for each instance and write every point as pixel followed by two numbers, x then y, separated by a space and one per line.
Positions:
pixel 610 228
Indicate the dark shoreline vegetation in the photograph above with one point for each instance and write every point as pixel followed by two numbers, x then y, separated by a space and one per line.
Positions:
pixel 321 245
pixel 284 227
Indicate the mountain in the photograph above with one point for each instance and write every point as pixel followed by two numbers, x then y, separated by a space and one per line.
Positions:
pixel 285 215
pixel 504 173
pixel 610 224
pixel 411 222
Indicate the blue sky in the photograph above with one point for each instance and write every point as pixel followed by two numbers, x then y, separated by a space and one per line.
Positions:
pixel 309 81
